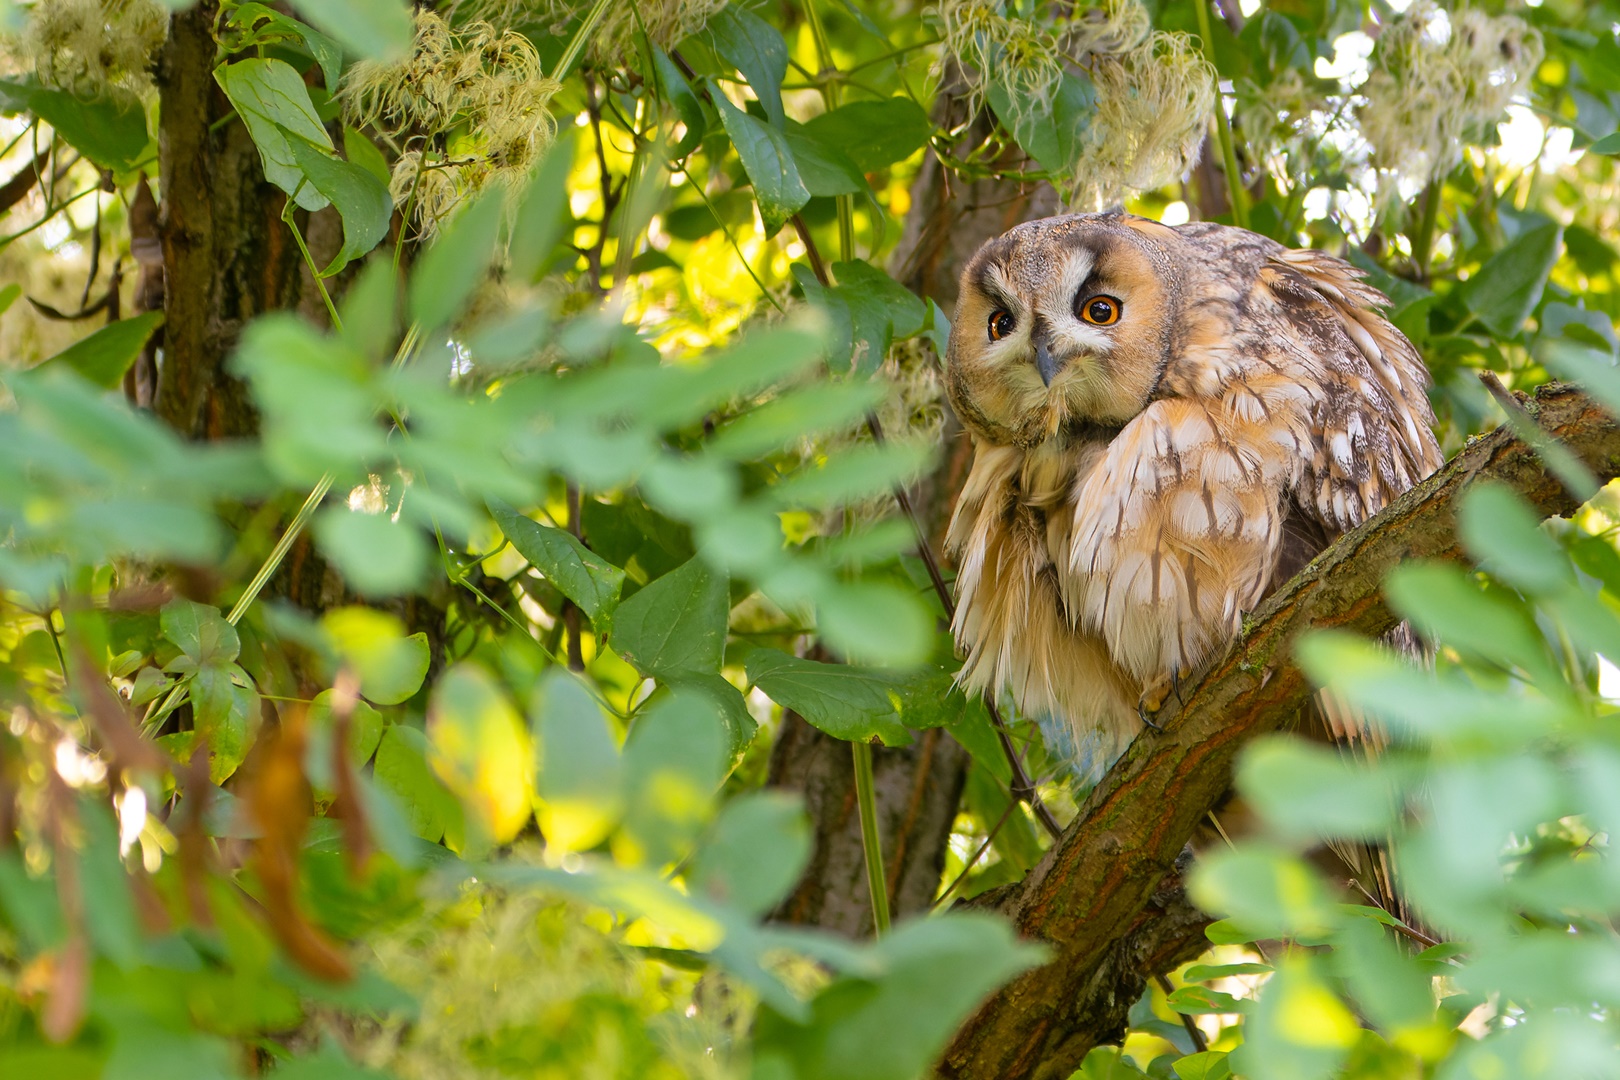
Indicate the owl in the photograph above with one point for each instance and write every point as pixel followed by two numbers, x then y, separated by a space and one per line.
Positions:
pixel 1167 423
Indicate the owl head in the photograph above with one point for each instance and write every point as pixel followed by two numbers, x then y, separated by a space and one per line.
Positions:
pixel 1063 324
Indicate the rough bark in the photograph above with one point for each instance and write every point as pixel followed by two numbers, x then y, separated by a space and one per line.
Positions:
pixel 1087 897
pixel 227 256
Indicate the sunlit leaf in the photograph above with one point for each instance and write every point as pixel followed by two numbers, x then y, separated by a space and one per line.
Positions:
pixel 676 624
pixel 390 664
pixel 580 778
pixel 377 29
pixel 768 160
pixel 756 49
pixel 480 750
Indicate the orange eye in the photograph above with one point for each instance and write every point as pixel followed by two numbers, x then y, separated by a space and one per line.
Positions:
pixel 1101 311
pixel 1001 324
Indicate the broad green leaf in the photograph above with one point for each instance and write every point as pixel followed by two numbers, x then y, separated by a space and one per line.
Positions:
pixel 1501 531
pixel 768 161
pixel 402 770
pixel 1210 972
pixel 1049 131
pixel 1310 791
pixel 874 134
pixel 1209 1065
pixel 361 151
pixel 390 665
pixel 327 1062
pixel 452 267
pixel 1609 144
pixel 825 169
pixel 375 29
pixel 756 49
pixel 105 355
pixel 677 624
pixel 200 632
pixel 891 1022
pixel 579 573
pixel 268 25
pixel 110 131
pixel 673 762
pixel 225 714
pixel 361 199
pixel 846 702
pixel 1594 371
pixel 579 783
pixel 1389 984
pixel 1503 292
pixel 270 97
pixel 480 750
pixel 678 92
pixel 755 853
pixel 1202 1001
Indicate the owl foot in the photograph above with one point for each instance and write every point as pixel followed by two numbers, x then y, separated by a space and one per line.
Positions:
pixel 1154 694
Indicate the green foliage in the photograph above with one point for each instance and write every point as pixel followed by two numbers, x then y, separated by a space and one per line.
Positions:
pixel 492 811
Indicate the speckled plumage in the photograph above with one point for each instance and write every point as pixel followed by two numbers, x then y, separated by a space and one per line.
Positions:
pixel 1249 405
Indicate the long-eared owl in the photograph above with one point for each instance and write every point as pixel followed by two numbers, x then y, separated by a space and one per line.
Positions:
pixel 1167 423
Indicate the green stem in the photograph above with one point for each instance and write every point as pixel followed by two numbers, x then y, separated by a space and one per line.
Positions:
pixel 828 77
pixel 287 213
pixel 867 802
pixel 1223 129
pixel 581 36
pixel 1423 241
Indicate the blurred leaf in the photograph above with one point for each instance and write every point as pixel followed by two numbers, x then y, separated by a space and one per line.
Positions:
pixel 374 29
pixel 452 267
pixel 755 853
pixel 270 97
pixel 365 733
pixel 106 354
pixel 1609 144
pixel 1506 536
pixel 1209 1065
pixel 390 665
pixel 1298 1031
pixel 1504 291
pixel 541 211
pixel 580 779
pixel 1202 1001
pixel 201 634
pixel 402 770
pixel 676 624
pixel 678 92
pixel 1444 605
pixel 768 160
pixel 377 555
pixel 875 622
pixel 1265 889
pixel 889 1026
pixel 673 761
pixel 756 49
pixel 480 750
pixel 1307 790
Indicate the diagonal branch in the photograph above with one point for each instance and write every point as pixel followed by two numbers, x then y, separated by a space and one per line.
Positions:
pixel 1106 891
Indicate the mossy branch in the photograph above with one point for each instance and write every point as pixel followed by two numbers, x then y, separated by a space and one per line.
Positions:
pixel 1106 897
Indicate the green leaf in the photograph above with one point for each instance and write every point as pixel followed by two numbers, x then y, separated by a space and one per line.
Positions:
pixel 1310 791
pixel 1609 144
pixel 874 134
pixel 265 25
pixel 1445 605
pixel 225 710
pixel 768 160
pixel 402 770
pixel 542 212
pixel 755 853
pixel 579 573
pixel 362 200
pixel 375 29
pixel 825 169
pixel 580 778
pixel 1202 1001
pixel 846 702
pixel 390 665
pixel 1049 131
pixel 8 296
pixel 1500 530
pixel 875 622
pixel 110 131
pixel 105 355
pixel 1209 1065
pixel 1265 889
pixel 739 723
pixel 1299 1030
pixel 200 632
pixel 890 1022
pixel 365 732
pixel 1504 291
pixel 452 267
pixel 674 760
pixel 376 555
pixel 677 91
pixel 1210 972
pixel 481 752
pixel 361 151
pixel 676 624
pixel 271 99
pixel 756 49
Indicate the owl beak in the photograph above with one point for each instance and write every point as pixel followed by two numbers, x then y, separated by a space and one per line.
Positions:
pixel 1044 363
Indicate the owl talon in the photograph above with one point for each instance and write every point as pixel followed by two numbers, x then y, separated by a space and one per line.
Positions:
pixel 1146 717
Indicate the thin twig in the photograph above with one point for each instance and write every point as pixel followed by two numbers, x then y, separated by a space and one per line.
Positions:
pixel 1193 1033
pixel 968 866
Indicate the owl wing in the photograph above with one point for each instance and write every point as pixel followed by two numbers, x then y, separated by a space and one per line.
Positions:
pixel 1287 395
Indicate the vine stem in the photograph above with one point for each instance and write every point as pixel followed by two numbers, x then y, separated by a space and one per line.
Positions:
pixel 866 799
pixel 1223 128
pixel 581 36
pixel 1423 242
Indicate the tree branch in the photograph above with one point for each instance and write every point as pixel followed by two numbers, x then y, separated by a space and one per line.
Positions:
pixel 1104 891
